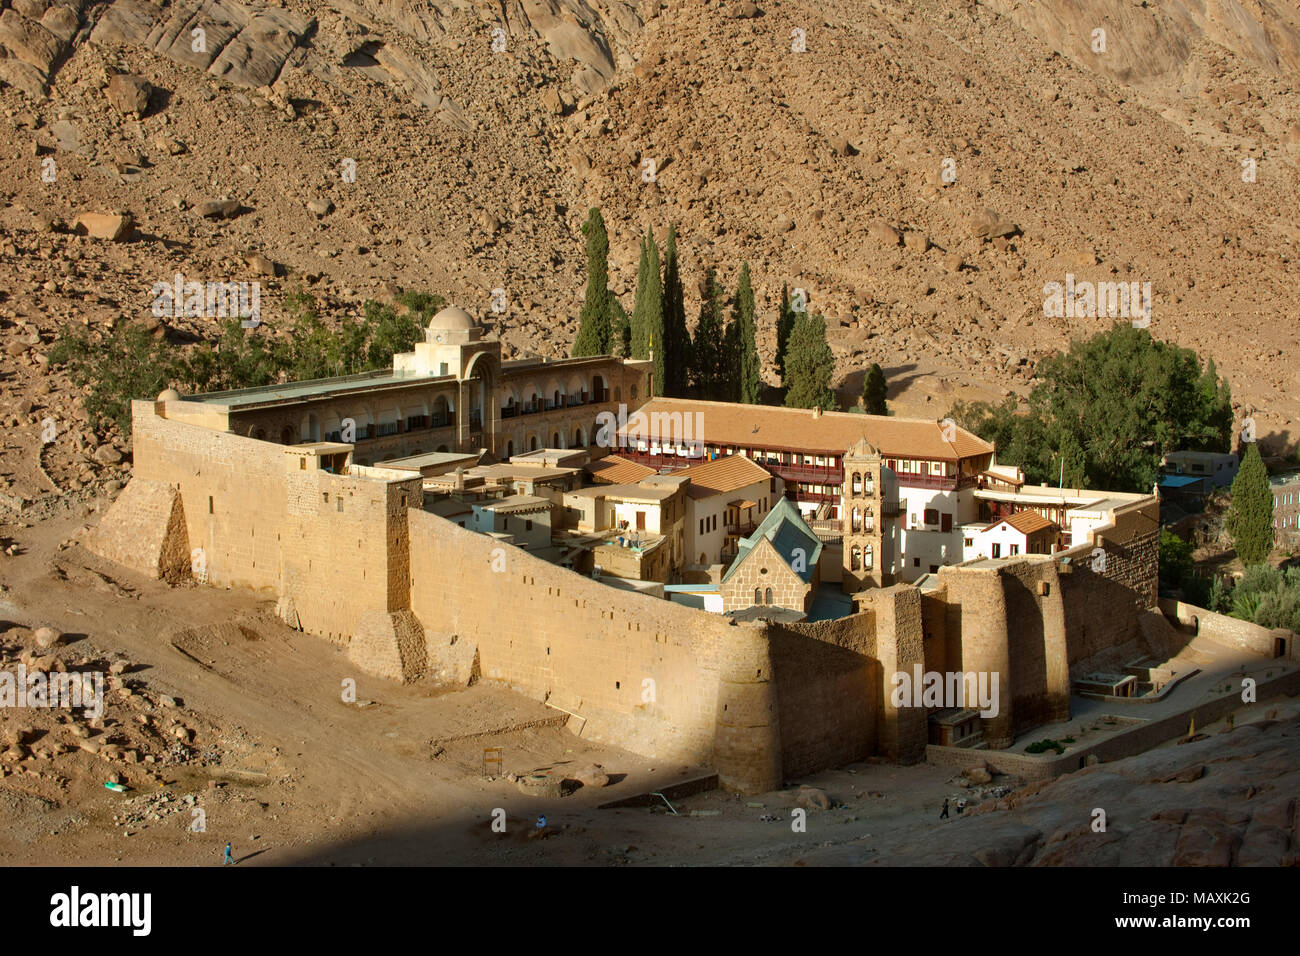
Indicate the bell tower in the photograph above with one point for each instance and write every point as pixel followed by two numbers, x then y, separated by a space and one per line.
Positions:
pixel 863 492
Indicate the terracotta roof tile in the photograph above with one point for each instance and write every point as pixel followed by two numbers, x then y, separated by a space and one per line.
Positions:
pixel 797 429
pixel 615 470
pixel 1026 522
pixel 723 476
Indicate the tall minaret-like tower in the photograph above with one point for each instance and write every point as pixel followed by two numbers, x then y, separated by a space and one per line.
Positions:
pixel 863 493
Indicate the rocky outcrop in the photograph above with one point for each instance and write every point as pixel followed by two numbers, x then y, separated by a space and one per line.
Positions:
pixel 246 45
pixel 1143 42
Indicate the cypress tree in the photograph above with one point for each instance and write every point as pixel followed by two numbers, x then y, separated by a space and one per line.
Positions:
pixel 873 391
pixel 784 324
pixel 677 342
pixel 594 331
pixel 1250 516
pixel 809 365
pixel 648 310
pixel 729 390
pixel 749 367
pixel 620 329
pixel 708 352
pixel 637 333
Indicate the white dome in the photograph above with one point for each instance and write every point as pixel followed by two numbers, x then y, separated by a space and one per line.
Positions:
pixel 169 395
pixel 452 319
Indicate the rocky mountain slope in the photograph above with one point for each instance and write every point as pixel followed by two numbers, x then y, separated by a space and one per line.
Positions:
pixel 921 168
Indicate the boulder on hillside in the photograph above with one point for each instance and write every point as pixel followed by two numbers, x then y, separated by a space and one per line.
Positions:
pixel 987 224
pixel 115 227
pixel 129 94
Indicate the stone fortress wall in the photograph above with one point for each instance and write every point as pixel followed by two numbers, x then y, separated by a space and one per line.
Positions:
pixel 353 558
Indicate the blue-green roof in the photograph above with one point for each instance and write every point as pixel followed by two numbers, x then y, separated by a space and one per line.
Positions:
pixel 787 531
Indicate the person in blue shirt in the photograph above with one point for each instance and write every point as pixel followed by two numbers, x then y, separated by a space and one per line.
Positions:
pixel 227 858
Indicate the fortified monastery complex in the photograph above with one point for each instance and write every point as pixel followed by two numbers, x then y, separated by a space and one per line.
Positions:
pixel 739 596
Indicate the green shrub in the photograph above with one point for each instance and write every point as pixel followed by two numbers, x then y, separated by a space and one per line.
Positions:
pixel 1044 745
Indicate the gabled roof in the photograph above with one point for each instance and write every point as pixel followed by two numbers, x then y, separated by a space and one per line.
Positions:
pixel 723 476
pixel 1026 522
pixel 786 530
pixel 777 428
pixel 615 470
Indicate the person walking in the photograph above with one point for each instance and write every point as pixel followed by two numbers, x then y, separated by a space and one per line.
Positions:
pixel 227 858
pixel 944 814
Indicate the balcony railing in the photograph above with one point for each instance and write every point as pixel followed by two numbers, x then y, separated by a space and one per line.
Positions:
pixel 937 482
pixel 658 461
pixel 890 507
pixel 815 474
pixel 741 529
pixel 833 525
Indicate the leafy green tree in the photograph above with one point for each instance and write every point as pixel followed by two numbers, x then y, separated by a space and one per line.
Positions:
pixel 809 365
pixel 1258 581
pixel 1175 559
pixel 1109 408
pixel 708 350
pixel 750 371
pixel 388 332
pixel 594 331
pixel 1219 598
pixel 784 325
pixel 1250 516
pixel 130 363
pixel 1281 606
pixel 873 391
pixel 240 360
pixel 677 341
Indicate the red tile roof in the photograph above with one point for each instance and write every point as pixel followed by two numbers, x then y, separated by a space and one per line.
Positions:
pixel 797 429
pixel 615 470
pixel 722 476
pixel 1026 522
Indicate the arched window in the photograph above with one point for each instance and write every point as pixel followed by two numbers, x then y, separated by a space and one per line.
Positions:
pixel 867 557
pixel 769 596
pixel 633 391
pixel 855 563
pixel 555 440
pixel 510 449
pixel 857 483
pixel 532 443
pixel 855 526
pixel 577 438
pixel 758 595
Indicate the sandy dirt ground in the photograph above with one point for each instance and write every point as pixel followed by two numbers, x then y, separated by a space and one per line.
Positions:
pixel 288 773
pixel 219 715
